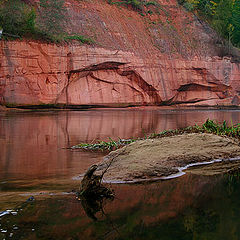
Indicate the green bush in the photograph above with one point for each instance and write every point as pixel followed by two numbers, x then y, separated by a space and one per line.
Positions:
pixel 223 15
pixel 19 19
pixel 136 4
pixel 79 38
pixel 151 3
pixel 188 6
pixel 16 18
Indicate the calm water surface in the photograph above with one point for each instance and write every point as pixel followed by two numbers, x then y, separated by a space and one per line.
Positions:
pixel 34 156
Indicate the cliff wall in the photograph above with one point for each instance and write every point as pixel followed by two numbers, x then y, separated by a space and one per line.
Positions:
pixel 135 60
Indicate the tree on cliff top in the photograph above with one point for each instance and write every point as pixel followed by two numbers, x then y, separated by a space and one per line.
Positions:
pixel 236 23
pixel 223 15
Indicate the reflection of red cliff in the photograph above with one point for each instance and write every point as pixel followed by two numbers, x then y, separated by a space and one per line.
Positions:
pixel 147 205
pixel 31 145
pixel 140 62
pixel 163 200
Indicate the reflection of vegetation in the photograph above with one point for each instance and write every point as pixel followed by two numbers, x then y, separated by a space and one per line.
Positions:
pixel 209 126
pixel 92 206
pixel 201 222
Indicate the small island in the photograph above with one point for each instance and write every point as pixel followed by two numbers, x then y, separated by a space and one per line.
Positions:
pixel 164 158
pixel 168 154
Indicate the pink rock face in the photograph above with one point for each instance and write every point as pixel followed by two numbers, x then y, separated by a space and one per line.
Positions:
pixel 34 73
pixel 166 57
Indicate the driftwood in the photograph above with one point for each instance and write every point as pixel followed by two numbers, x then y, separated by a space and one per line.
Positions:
pixel 91 185
pixel 92 192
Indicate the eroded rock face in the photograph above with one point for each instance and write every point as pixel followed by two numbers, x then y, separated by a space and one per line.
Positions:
pixel 162 58
pixel 34 73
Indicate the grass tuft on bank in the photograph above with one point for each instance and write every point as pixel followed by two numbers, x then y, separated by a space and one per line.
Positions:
pixel 104 145
pixel 210 126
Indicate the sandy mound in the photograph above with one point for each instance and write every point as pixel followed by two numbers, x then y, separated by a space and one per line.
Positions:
pixel 154 158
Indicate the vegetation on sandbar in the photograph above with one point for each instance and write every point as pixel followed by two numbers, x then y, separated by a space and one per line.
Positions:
pixel 104 145
pixel 210 126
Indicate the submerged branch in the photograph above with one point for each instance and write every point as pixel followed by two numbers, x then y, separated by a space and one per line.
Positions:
pixel 92 192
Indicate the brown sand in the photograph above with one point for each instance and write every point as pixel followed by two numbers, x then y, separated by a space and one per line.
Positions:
pixel 155 158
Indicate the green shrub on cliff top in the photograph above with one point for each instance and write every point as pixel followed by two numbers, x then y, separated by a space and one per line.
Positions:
pixel 223 15
pixel 79 38
pixel 19 19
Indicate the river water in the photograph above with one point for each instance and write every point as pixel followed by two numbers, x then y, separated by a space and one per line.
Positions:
pixel 35 159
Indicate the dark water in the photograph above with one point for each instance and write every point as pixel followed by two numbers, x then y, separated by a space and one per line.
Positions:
pixel 191 207
pixel 33 157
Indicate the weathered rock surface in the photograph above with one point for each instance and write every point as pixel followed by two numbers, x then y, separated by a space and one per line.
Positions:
pixel 33 73
pixel 133 62
pixel 156 158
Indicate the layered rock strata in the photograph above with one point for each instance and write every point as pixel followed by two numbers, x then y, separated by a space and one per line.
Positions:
pixel 33 73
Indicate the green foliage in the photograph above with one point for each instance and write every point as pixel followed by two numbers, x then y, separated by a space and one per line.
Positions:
pixel 21 20
pixel 136 4
pixel 17 18
pixel 236 23
pixel 79 38
pixel 102 145
pixel 30 21
pixel 188 6
pixel 223 15
pixel 151 3
pixel 209 126
pixel 222 129
pixel 222 18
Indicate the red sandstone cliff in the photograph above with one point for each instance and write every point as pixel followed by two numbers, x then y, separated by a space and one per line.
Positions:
pixel 164 58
